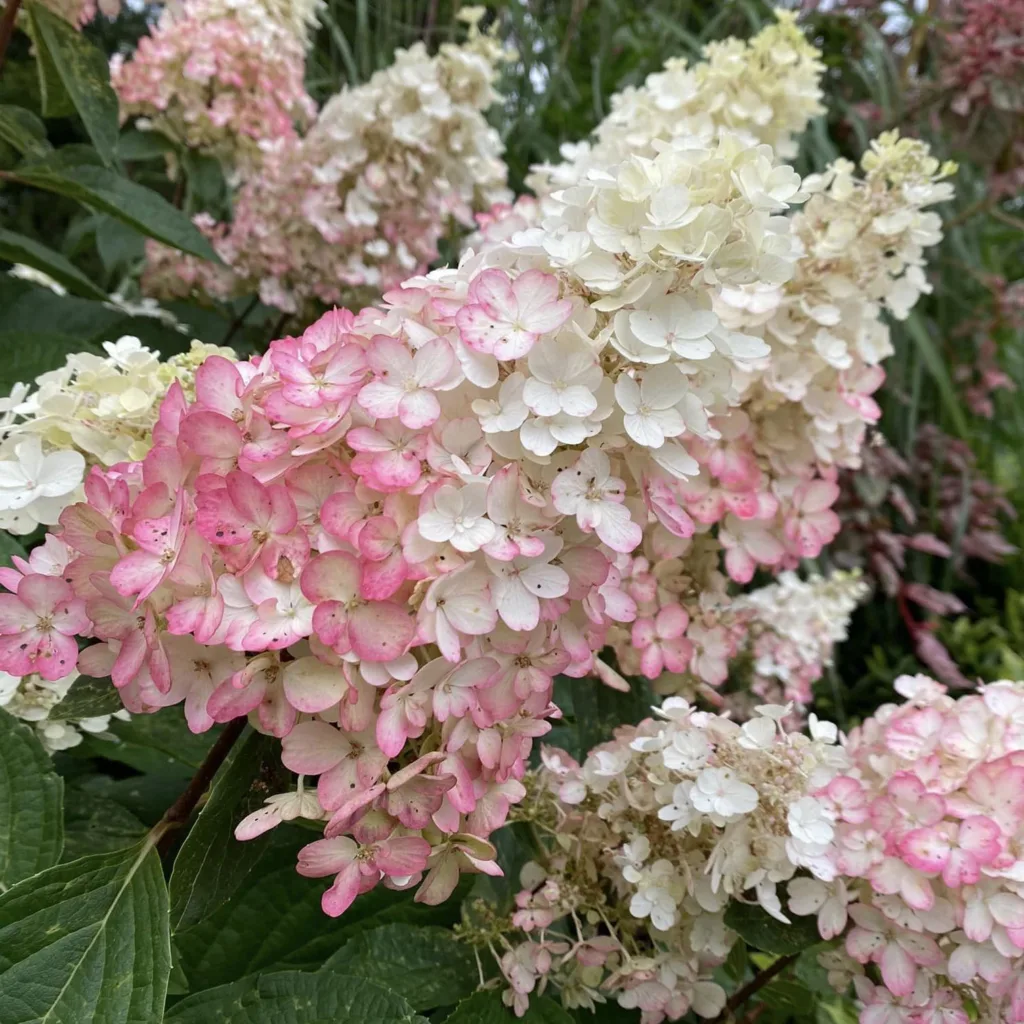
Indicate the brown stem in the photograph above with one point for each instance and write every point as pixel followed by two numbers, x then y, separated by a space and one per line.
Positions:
pixel 753 986
pixel 7 28
pixel 181 810
pixel 240 319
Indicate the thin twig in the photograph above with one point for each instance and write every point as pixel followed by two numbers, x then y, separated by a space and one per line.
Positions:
pixel 240 319
pixel 753 986
pixel 181 810
pixel 7 28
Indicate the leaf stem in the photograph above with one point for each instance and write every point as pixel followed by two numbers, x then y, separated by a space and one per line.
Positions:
pixel 7 28
pixel 181 810
pixel 753 986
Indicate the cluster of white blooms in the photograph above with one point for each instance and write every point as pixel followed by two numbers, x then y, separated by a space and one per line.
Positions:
pixel 32 698
pixel 862 241
pixel 94 410
pixel 648 845
pixel 765 90
pixel 361 202
pixel 788 400
pixel 794 629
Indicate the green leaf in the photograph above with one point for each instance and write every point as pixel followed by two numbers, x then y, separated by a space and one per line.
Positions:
pixel 427 965
pixel 144 796
pixel 87 698
pixel 21 249
pixel 31 826
pixel 935 364
pixel 30 353
pixel 596 709
pixel 39 310
pixel 274 921
pixel 106 191
pixel 160 743
pixel 10 545
pixel 212 864
pixel 93 824
pixel 86 941
pixel 138 145
pixel 762 931
pixel 119 245
pixel 487 1008
pixel 83 72
pixel 291 997
pixel 786 998
pixel 24 131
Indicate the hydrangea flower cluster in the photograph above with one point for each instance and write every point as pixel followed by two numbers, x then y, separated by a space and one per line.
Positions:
pixel 765 90
pixel 794 628
pixel 94 410
pixel 798 403
pixel 360 203
pixel 221 76
pixel 648 844
pixel 688 633
pixel 927 857
pixel 862 241
pixel 421 506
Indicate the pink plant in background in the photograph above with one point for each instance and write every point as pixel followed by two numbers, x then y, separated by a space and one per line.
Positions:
pixel 882 509
pixel 984 55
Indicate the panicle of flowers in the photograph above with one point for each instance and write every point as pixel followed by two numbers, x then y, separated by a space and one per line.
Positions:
pixel 94 410
pixel 765 90
pixel 224 77
pixel 937 503
pixel 796 402
pixel 649 843
pixel 863 242
pixel 794 629
pixel 384 538
pixel 927 857
pixel 361 202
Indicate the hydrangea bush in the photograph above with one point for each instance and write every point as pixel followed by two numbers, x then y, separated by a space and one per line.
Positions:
pixel 608 477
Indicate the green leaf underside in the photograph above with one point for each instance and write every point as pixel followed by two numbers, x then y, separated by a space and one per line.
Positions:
pixel 427 965
pixel 31 825
pixel 291 997
pixel 87 941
